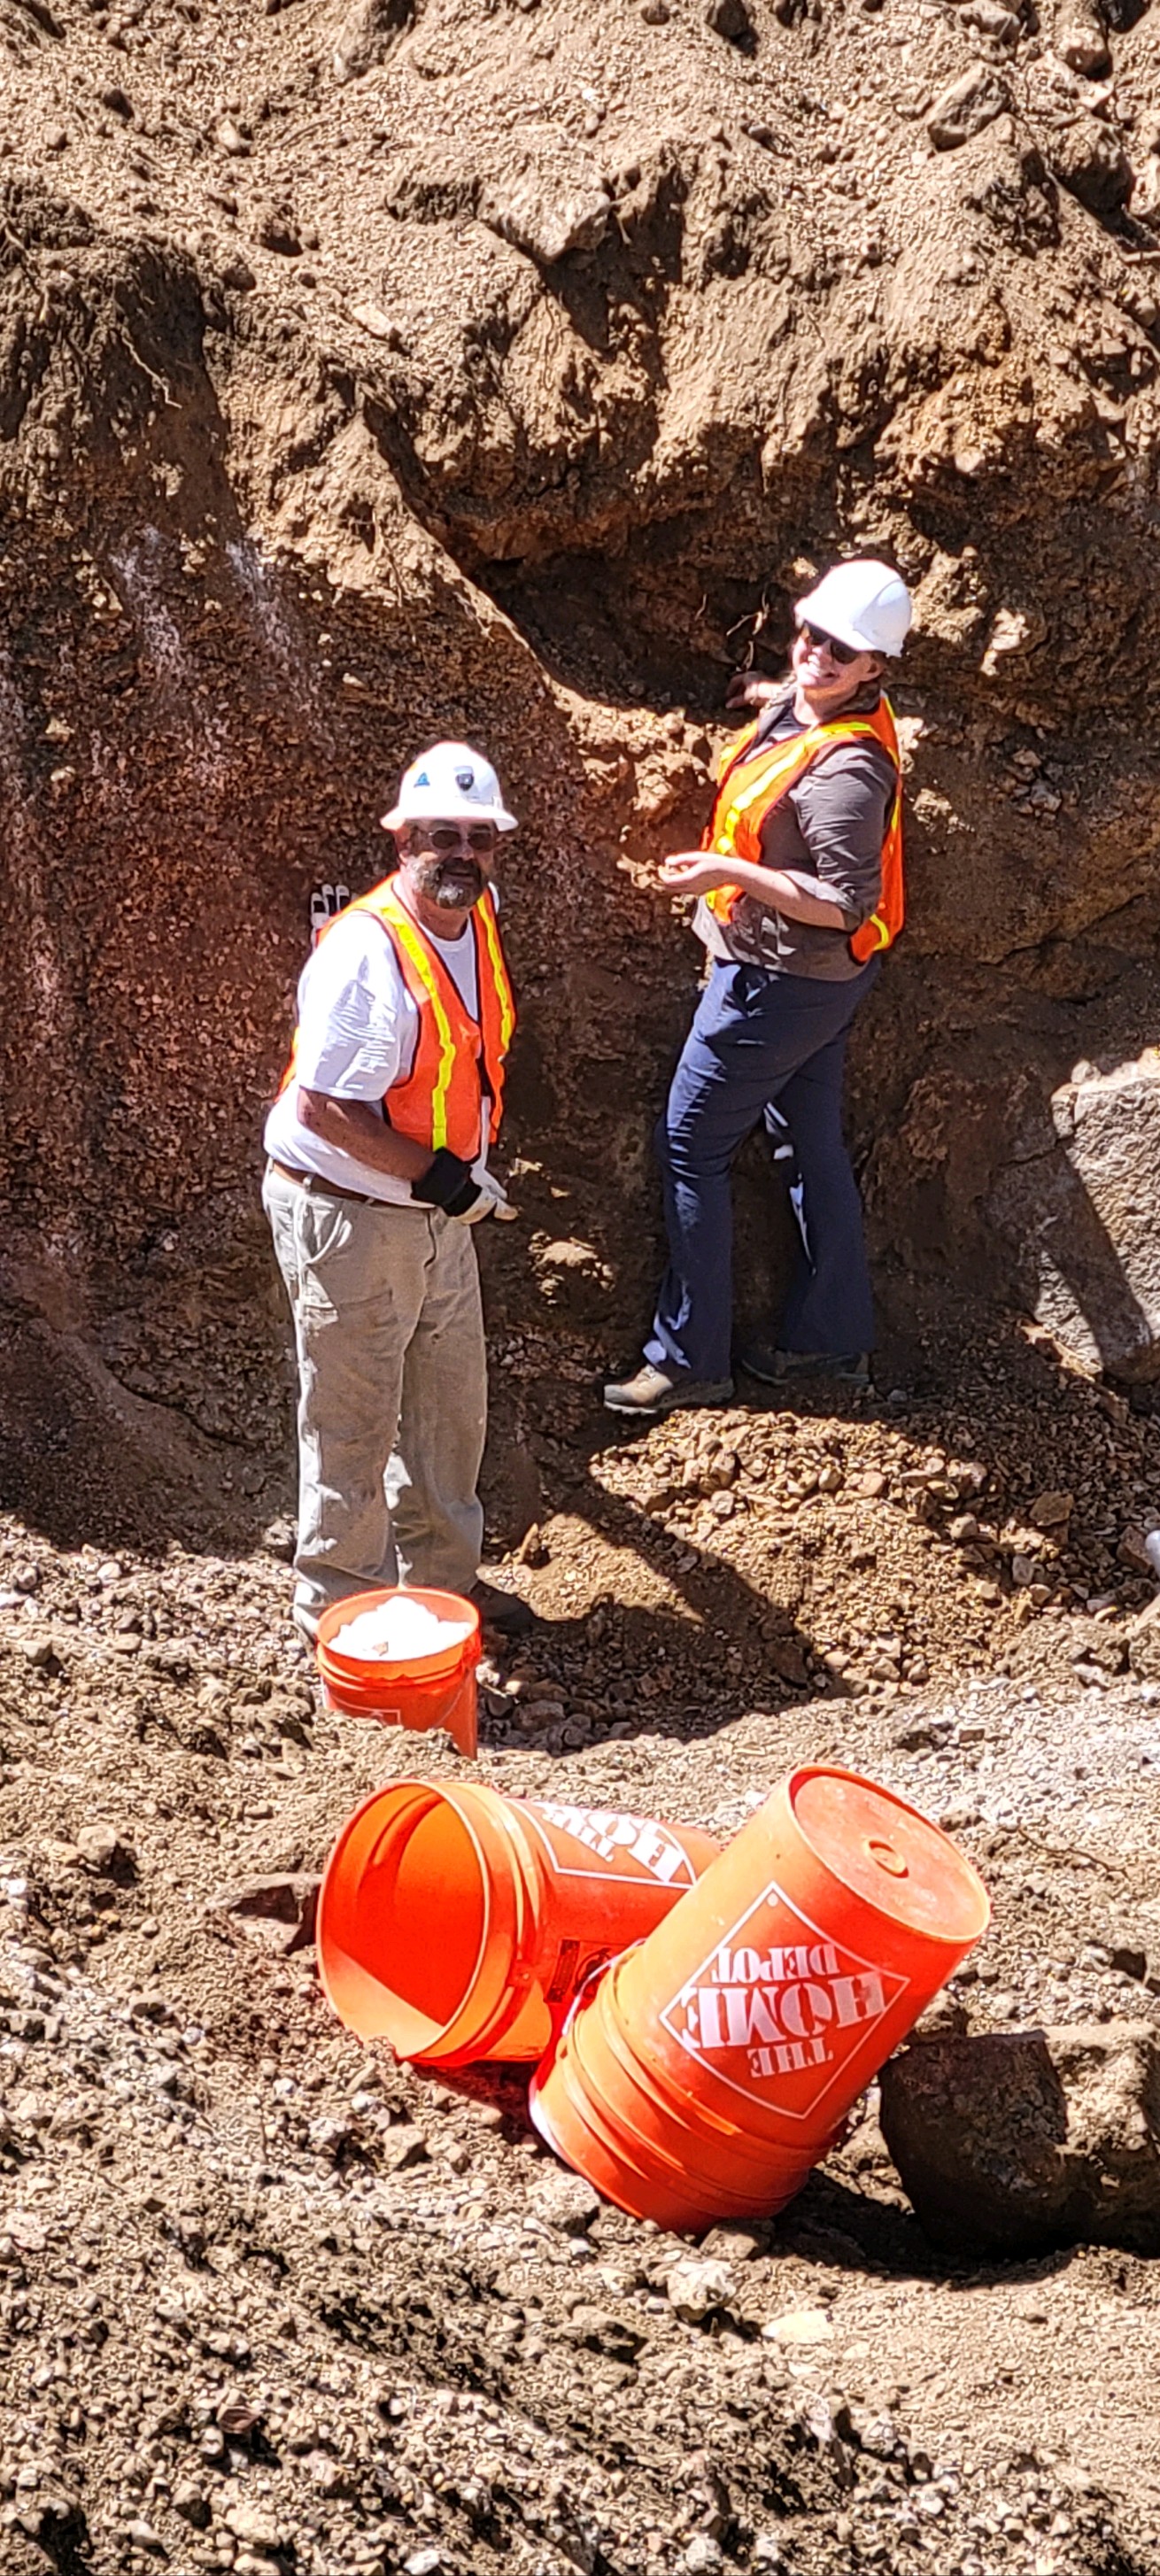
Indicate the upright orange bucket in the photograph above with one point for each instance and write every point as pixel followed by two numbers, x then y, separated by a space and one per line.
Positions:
pixel 702 2076
pixel 458 1923
pixel 421 1692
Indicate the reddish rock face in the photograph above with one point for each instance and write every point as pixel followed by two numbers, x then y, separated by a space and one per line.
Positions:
pixel 314 449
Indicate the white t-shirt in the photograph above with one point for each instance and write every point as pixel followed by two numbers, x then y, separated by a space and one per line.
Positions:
pixel 357 1031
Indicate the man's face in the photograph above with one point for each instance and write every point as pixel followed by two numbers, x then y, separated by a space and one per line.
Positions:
pixel 828 670
pixel 450 863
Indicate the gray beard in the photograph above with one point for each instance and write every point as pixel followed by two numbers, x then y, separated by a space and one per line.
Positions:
pixel 453 892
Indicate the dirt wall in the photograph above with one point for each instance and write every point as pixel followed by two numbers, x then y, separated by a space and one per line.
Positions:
pixel 506 373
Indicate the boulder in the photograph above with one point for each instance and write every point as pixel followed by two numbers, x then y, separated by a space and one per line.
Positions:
pixel 1077 1205
pixel 1010 2142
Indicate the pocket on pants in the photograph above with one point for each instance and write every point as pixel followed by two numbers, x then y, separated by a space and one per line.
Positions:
pixel 335 1248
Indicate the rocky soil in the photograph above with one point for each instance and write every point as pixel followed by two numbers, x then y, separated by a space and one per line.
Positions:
pixel 374 369
pixel 271 2302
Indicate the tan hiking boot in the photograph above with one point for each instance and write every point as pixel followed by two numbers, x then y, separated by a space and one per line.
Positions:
pixel 655 1390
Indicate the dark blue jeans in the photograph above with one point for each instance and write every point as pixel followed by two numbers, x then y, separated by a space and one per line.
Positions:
pixel 759 1038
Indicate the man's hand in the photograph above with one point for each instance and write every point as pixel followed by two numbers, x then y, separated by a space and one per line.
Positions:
pixel 693 872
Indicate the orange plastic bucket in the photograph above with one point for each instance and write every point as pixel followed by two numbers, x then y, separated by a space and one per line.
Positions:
pixel 459 1923
pixel 422 1692
pixel 702 2076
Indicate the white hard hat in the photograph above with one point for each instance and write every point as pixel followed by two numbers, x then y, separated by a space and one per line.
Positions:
pixel 864 604
pixel 451 783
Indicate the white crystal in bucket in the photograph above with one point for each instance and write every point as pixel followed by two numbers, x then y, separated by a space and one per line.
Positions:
pixel 398 1631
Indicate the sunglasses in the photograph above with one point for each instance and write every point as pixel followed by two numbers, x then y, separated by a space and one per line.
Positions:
pixel 838 652
pixel 445 838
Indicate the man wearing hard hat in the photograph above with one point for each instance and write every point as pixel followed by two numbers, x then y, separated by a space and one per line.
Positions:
pixel 800 880
pixel 378 1150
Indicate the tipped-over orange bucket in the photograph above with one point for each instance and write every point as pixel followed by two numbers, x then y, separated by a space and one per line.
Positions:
pixel 421 1691
pixel 702 2076
pixel 458 1923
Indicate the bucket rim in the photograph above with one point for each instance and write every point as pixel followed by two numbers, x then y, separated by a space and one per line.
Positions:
pixel 380 1670
pixel 430 1794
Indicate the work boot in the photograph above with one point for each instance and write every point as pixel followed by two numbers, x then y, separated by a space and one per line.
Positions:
pixel 656 1390
pixel 506 1613
pixel 787 1368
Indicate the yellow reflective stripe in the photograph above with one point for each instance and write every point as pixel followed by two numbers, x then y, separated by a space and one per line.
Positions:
pixel 503 990
pixel 796 755
pixel 413 943
pixel 877 923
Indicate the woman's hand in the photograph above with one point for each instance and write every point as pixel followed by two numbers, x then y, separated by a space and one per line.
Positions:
pixel 748 689
pixel 693 872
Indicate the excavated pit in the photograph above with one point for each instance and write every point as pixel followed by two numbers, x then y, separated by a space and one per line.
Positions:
pixel 369 373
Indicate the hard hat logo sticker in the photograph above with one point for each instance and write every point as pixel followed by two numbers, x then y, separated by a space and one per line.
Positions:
pixel 777 2009
pixel 464 778
pixel 650 1847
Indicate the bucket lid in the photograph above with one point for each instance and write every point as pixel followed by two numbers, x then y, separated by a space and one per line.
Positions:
pixel 887 1853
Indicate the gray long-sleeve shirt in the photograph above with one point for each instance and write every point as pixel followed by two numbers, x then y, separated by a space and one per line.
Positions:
pixel 827 832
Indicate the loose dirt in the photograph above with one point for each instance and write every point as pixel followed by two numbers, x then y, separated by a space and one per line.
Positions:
pixel 372 372
pixel 270 2300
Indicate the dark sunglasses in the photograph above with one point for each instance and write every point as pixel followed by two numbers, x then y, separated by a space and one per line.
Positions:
pixel 840 652
pixel 446 838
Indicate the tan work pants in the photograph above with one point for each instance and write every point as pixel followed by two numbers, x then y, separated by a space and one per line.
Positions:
pixel 392 1386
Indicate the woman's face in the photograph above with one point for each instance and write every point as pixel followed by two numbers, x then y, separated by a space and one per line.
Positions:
pixel 825 676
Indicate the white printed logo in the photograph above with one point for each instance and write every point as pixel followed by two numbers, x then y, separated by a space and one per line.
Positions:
pixel 653 1849
pixel 777 2009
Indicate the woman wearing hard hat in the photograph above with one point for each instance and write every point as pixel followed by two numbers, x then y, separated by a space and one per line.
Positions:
pixel 800 880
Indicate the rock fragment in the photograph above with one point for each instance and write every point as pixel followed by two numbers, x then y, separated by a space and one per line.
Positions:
pixel 1002 25
pixel 1091 162
pixel 696 2290
pixel 402 2146
pixel 799 2326
pixel 191 2502
pixel 567 2202
pixel 276 228
pixel 969 104
pixel 365 30
pixel 255 2526
pixel 1080 38
pixel 545 226
pixel 1144 1647
pixel 101 1847
pixel 282 1908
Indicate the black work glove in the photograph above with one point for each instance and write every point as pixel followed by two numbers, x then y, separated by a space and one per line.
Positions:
pixel 449 1183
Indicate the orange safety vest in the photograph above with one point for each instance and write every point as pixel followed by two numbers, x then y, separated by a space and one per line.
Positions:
pixel 440 1101
pixel 753 781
